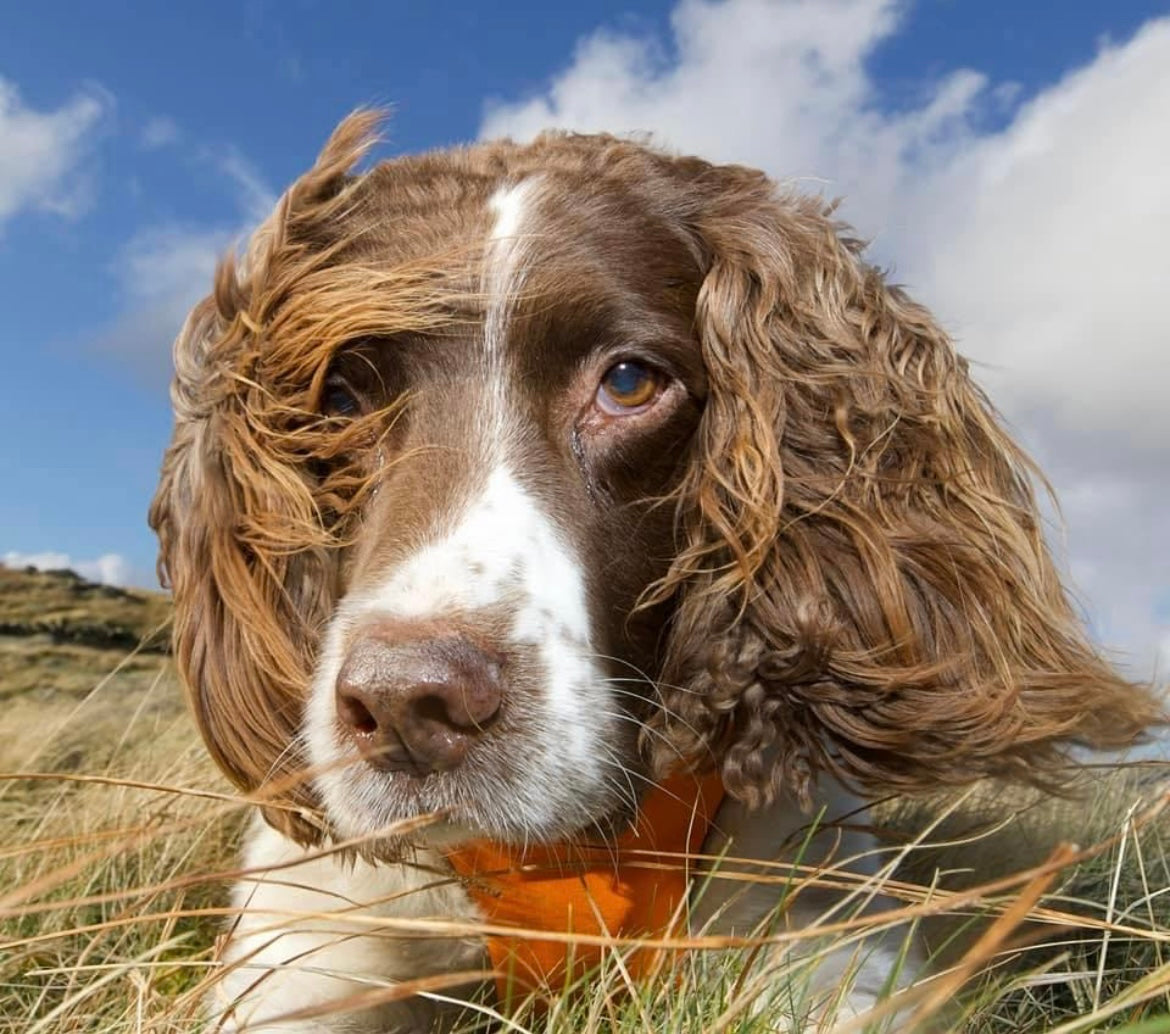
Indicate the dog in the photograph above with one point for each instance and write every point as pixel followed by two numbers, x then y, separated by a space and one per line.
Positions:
pixel 553 506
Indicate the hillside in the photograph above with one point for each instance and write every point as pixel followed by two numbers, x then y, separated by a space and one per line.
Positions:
pixel 68 609
pixel 59 632
pixel 61 640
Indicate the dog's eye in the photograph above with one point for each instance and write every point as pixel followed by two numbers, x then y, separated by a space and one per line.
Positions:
pixel 627 387
pixel 338 399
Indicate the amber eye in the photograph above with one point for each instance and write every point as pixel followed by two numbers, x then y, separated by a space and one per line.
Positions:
pixel 337 399
pixel 627 386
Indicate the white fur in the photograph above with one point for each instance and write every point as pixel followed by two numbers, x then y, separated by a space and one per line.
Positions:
pixel 503 551
pixel 504 269
pixel 298 941
pixel 503 278
pixel 303 937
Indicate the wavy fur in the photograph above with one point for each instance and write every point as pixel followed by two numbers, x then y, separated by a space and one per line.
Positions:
pixel 860 581
pixel 863 581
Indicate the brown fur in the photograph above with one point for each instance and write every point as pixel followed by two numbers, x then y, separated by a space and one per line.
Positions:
pixel 859 582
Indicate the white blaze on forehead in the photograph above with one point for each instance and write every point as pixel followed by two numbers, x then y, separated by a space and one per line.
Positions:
pixel 507 204
pixel 503 274
pixel 510 207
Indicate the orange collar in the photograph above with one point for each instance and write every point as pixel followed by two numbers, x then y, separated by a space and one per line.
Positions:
pixel 630 887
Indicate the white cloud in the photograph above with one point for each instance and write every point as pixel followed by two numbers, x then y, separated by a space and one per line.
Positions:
pixel 254 196
pixel 109 569
pixel 779 85
pixel 158 132
pixel 1042 245
pixel 164 270
pixel 40 152
pixel 1061 220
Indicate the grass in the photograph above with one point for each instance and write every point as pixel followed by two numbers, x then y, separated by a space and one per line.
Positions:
pixel 117 845
pixel 1089 953
pixel 103 925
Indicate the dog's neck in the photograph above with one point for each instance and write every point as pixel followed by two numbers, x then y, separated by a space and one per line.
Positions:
pixel 631 886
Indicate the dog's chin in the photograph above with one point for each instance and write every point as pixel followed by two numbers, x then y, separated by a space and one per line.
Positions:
pixel 385 815
pixel 404 840
pixel 400 839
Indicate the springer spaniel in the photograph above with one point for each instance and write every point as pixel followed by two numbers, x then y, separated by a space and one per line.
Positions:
pixel 539 513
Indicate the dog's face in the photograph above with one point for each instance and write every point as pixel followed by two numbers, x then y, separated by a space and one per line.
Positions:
pixel 505 480
pixel 487 657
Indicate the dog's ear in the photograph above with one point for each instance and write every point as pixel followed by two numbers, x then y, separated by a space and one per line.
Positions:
pixel 238 510
pixel 862 583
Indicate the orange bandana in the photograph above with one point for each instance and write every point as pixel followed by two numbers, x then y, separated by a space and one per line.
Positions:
pixel 632 886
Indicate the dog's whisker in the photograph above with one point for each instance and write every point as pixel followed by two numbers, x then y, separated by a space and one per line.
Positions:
pixel 672 715
pixel 638 723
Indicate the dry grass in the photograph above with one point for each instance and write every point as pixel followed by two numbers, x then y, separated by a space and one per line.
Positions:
pixel 114 862
pixel 97 895
pixel 66 606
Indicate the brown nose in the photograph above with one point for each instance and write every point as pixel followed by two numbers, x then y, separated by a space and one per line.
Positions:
pixel 413 701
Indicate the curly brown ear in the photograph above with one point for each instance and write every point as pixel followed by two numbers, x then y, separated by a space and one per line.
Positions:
pixel 863 584
pixel 237 511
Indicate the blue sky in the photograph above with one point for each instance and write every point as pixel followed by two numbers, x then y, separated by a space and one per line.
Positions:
pixel 136 141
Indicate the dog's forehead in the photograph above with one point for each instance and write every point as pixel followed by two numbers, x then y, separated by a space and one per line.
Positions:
pixel 558 228
pixel 412 210
pixel 563 267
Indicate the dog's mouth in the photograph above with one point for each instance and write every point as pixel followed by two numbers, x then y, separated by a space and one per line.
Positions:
pixel 505 789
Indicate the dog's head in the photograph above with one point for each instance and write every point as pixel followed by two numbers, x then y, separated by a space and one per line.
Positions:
pixel 506 479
